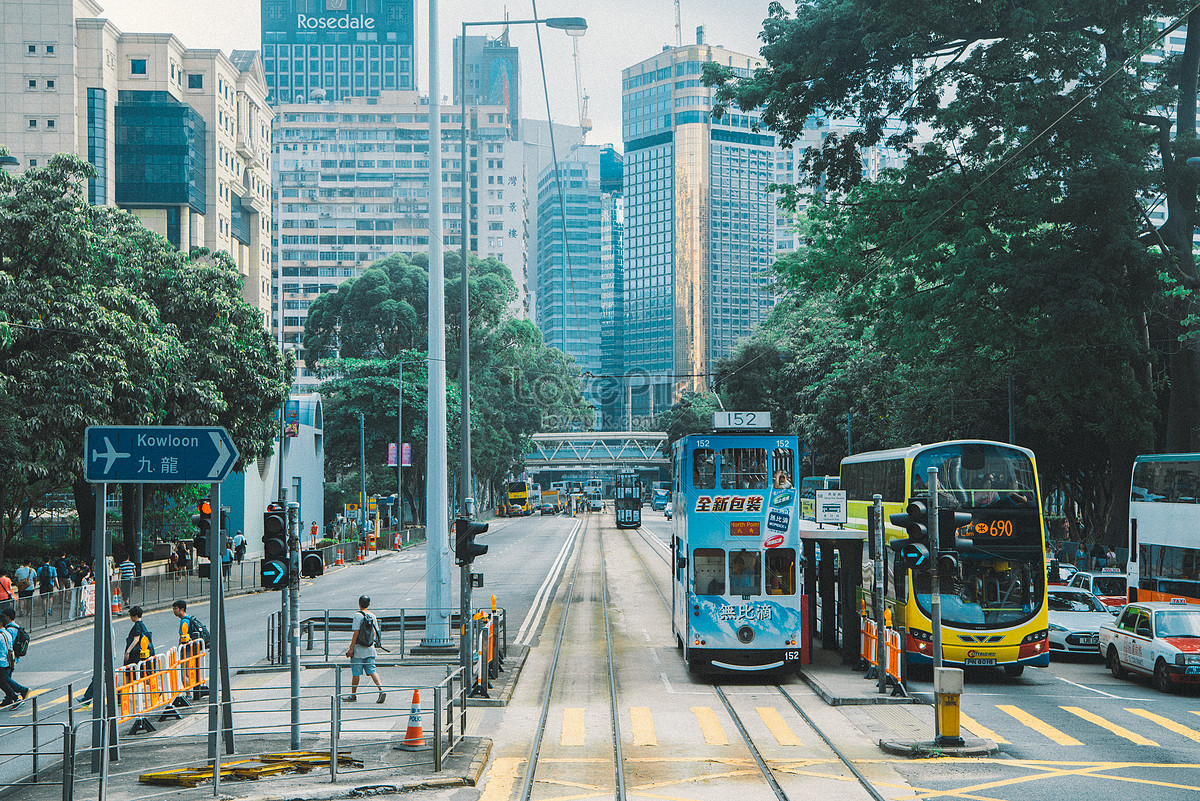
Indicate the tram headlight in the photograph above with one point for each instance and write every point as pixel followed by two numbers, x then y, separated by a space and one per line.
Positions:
pixel 745 635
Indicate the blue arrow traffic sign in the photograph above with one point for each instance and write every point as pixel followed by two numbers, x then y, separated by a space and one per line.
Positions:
pixel 274 574
pixel 915 553
pixel 157 454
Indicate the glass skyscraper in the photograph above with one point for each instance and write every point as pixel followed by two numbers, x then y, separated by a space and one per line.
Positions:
pixel 335 49
pixel 700 228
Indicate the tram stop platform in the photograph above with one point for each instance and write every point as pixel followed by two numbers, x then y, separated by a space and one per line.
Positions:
pixel 901 725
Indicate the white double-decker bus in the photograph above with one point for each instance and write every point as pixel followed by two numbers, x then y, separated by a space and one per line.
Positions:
pixel 1164 528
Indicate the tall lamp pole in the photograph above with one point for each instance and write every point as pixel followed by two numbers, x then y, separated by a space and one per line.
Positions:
pixel 574 26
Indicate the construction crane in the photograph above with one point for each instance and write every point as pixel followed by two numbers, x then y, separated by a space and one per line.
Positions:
pixel 678 27
pixel 581 99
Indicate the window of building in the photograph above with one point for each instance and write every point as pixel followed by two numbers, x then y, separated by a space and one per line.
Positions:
pixel 33 123
pixel 32 84
pixel 32 50
pixel 49 123
pixel 49 49
pixel 49 84
pixel 195 80
pixel 137 66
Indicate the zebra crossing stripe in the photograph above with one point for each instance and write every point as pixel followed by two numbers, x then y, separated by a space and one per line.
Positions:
pixel 573 732
pixel 777 725
pixel 714 734
pixel 1120 731
pixel 979 730
pixel 642 724
pixel 1038 725
pixel 1167 723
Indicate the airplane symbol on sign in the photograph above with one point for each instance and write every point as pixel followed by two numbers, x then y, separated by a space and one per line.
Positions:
pixel 110 455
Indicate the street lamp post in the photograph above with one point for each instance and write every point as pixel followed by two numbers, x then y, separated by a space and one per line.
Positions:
pixel 574 26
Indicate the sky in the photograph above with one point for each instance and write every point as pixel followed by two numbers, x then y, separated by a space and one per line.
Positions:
pixel 620 34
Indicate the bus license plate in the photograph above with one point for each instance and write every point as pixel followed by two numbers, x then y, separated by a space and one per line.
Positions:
pixel 981 662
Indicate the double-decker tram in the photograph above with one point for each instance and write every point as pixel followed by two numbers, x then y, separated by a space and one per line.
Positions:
pixel 735 601
pixel 628 500
pixel 1164 518
pixel 994 602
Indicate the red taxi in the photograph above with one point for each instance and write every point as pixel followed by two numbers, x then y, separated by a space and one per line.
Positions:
pixel 1161 640
pixel 1110 585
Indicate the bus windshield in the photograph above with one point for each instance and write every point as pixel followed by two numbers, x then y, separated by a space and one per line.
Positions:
pixel 977 476
pixel 991 593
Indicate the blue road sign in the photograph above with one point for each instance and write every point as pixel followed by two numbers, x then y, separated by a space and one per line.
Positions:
pixel 157 454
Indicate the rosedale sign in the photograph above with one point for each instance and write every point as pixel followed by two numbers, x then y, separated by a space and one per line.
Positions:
pixel 307 23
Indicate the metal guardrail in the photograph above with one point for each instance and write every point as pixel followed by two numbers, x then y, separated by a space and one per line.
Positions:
pixel 55 759
pixel 400 630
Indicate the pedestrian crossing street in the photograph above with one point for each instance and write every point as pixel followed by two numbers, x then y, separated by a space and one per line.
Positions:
pixel 1006 724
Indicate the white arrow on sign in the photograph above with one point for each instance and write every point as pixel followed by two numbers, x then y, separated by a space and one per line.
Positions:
pixel 222 455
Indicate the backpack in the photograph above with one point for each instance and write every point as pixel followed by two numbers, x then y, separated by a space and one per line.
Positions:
pixel 366 632
pixel 45 578
pixel 20 642
pixel 197 630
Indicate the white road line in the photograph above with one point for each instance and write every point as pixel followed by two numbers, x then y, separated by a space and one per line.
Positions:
pixel 543 593
pixel 1093 689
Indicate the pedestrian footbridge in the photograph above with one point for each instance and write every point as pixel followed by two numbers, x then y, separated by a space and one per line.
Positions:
pixel 589 450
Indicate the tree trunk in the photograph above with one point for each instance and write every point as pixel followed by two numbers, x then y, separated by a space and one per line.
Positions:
pixel 85 508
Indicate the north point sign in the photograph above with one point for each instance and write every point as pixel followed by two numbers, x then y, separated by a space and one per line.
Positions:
pixel 307 23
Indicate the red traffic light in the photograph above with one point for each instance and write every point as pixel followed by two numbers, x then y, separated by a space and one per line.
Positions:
pixel 204 507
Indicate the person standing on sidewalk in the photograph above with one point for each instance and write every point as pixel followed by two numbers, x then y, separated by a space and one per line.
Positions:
pixel 364 635
pixel 13 693
pixel 25 576
pixel 239 547
pixel 8 632
pixel 8 593
pixel 47 578
pixel 127 569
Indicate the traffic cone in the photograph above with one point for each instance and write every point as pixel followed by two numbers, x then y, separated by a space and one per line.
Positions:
pixel 116 601
pixel 414 737
pixel 339 556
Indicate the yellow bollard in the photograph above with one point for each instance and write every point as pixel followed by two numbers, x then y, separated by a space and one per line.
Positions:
pixel 947 688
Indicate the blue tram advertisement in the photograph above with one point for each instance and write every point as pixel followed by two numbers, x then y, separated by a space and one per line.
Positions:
pixel 736 603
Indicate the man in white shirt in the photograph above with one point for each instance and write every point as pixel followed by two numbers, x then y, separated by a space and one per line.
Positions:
pixel 362 656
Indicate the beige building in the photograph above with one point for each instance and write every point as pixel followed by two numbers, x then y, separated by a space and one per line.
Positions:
pixel 178 136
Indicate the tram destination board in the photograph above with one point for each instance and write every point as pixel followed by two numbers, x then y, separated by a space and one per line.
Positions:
pixel 742 421
pixel 158 454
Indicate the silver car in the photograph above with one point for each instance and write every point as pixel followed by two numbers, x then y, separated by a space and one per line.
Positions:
pixel 1075 619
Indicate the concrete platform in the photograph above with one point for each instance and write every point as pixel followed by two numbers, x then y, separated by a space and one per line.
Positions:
pixel 838 684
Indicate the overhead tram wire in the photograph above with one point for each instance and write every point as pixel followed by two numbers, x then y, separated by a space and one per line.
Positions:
pixel 562 206
pixel 1010 158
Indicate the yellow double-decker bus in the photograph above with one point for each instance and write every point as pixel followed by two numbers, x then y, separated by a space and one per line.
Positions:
pixel 994 603
pixel 519 494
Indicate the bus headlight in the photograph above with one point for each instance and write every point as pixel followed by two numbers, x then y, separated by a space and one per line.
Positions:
pixel 1187 659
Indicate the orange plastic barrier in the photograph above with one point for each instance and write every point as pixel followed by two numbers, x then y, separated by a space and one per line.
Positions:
pixel 156 682
pixel 892 644
pixel 867 640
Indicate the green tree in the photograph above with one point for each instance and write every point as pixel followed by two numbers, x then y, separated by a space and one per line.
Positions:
pixel 1012 242
pixel 691 414
pixel 107 324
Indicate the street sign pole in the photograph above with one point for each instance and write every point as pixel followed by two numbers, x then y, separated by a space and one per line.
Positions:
pixel 104 688
pixel 880 589
pixel 294 618
pixel 215 584
pixel 935 595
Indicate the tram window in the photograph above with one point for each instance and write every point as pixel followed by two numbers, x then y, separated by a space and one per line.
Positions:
pixel 745 573
pixel 783 468
pixel 708 571
pixel 744 468
pixel 704 469
pixel 781 571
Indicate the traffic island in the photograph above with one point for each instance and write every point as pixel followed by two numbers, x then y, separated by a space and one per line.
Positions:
pixel 931 749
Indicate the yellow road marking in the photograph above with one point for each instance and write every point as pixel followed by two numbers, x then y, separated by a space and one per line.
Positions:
pixel 1120 731
pixel 979 730
pixel 1038 725
pixel 501 779
pixel 777 725
pixel 1168 724
pixel 573 732
pixel 643 726
pixel 710 726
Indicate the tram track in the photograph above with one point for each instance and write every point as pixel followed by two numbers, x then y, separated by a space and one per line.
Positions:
pixel 764 768
pixel 548 695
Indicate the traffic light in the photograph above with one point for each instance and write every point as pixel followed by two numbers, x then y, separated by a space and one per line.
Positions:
pixel 465 549
pixel 915 520
pixel 949 523
pixel 203 523
pixel 312 564
pixel 275 568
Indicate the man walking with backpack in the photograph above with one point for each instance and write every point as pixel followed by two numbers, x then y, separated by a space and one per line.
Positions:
pixel 47 583
pixel 25 576
pixel 14 643
pixel 364 637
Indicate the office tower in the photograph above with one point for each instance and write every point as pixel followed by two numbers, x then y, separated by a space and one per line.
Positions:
pixel 577 263
pixel 700 227
pixel 492 75
pixel 178 136
pixel 335 49
pixel 352 182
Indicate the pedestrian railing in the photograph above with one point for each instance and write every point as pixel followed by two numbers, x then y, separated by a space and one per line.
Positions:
pixel 325 633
